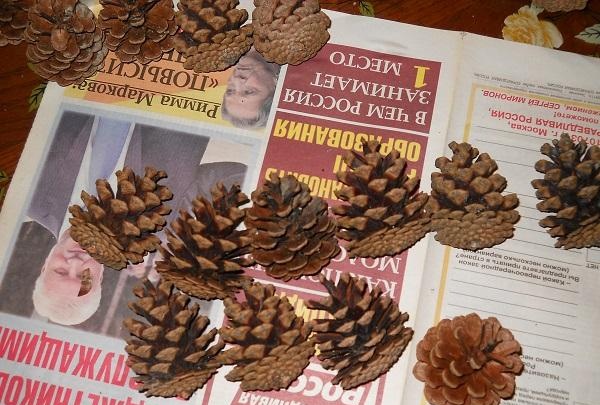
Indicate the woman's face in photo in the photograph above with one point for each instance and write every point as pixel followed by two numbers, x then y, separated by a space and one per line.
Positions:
pixel 251 84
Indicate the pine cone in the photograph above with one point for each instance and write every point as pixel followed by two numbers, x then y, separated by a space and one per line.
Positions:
pixel 206 253
pixel 468 211
pixel 386 215
pixel 65 45
pixel 138 30
pixel 366 335
pixel 170 352
pixel 292 234
pixel 119 229
pixel 468 360
pixel 13 20
pixel 570 189
pixel 289 31
pixel 271 343
pixel 212 36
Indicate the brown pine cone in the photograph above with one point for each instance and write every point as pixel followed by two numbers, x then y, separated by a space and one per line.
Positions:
pixel 65 45
pixel 386 214
pixel 169 351
pixel 468 361
pixel 366 335
pixel 138 30
pixel 271 343
pixel 212 36
pixel 570 190
pixel 13 20
pixel 117 229
pixel 206 254
pixel 289 31
pixel 292 235
pixel 467 207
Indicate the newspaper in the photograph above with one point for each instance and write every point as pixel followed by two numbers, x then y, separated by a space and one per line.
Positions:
pixel 414 89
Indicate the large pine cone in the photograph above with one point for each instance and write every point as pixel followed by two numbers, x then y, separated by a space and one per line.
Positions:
pixel 289 31
pixel 386 214
pixel 170 352
pixel 13 20
pixel 570 189
pixel 468 361
pixel 366 335
pixel 212 36
pixel 468 209
pixel 271 343
pixel 138 30
pixel 117 229
pixel 65 45
pixel 206 254
pixel 292 235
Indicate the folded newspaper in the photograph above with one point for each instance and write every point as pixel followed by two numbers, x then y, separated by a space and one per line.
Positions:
pixel 415 90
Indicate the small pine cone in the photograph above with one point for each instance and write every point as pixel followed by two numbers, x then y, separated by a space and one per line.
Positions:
pixel 467 360
pixel 212 36
pixel 366 335
pixel 570 189
pixel 292 235
pixel 13 20
pixel 117 229
pixel 138 30
pixel 386 214
pixel 170 353
pixel 560 5
pixel 206 254
pixel 271 343
pixel 467 207
pixel 65 45
pixel 289 31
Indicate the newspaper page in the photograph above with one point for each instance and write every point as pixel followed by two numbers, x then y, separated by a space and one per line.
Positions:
pixel 509 103
pixel 394 84
pixel 61 313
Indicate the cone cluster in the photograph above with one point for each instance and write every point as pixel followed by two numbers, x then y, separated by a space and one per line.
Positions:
pixel 65 44
pixel 289 31
pixel 138 30
pixel 569 190
pixel 271 347
pixel 292 234
pixel 467 360
pixel 385 215
pixel 213 36
pixel 117 229
pixel 205 254
pixel 171 350
pixel 366 334
pixel 467 208
pixel 13 21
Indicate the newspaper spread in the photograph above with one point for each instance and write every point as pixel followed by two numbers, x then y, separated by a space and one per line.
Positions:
pixel 412 88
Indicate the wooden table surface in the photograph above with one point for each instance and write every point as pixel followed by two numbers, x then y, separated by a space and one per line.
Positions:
pixel 478 16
